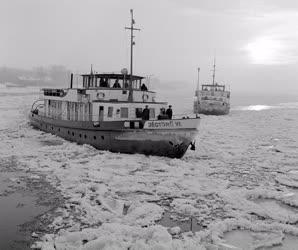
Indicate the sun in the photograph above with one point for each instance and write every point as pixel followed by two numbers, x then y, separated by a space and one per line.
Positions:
pixel 264 50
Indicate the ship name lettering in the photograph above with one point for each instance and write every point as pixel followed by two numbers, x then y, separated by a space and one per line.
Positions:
pixel 164 124
pixel 178 124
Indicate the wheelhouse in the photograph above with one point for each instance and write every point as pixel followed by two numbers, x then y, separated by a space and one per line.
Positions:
pixel 211 87
pixel 113 80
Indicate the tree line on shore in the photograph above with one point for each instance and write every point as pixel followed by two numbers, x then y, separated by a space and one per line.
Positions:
pixel 37 76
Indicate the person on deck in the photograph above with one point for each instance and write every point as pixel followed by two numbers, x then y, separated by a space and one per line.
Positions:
pixel 169 112
pixel 145 114
pixel 101 82
pixel 126 84
pixel 106 83
pixel 116 84
pixel 144 87
pixel 162 115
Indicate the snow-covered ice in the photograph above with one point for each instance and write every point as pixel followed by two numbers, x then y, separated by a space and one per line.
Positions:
pixel 243 176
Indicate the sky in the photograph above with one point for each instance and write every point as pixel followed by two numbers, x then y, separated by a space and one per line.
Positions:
pixel 255 42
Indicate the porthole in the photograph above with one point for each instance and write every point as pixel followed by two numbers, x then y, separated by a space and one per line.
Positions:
pixel 102 137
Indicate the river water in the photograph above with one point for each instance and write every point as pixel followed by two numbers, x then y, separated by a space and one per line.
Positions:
pixel 238 189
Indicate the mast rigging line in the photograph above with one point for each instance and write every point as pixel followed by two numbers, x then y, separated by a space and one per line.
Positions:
pixel 132 43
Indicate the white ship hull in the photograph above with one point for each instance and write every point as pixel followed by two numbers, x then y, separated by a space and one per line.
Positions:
pixel 208 107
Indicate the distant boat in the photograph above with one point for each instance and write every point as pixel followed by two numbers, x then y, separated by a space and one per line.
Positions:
pixel 115 112
pixel 212 99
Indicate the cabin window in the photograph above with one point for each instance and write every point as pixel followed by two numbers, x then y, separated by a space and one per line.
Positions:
pixel 124 112
pixel 81 111
pixel 59 107
pixel 68 110
pixel 117 113
pixel 132 125
pixel 90 111
pixel 49 108
pixel 139 112
pixel 151 113
pixel 101 113
pixel 110 111
pixel 76 111
pixel 137 124
pixel 86 113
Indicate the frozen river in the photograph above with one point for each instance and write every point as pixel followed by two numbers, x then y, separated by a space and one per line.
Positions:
pixel 238 190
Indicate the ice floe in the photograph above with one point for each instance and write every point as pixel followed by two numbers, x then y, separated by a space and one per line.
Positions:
pixel 235 181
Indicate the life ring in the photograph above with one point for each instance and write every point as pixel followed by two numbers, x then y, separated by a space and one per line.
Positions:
pixel 100 95
pixel 145 97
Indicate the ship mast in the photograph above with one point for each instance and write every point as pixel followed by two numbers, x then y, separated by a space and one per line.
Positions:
pixel 132 43
pixel 213 75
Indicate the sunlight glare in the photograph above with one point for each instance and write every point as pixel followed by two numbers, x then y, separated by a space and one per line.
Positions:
pixel 264 51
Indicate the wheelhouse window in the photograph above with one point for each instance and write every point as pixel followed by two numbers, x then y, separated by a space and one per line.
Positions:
pixel 124 112
pixel 110 111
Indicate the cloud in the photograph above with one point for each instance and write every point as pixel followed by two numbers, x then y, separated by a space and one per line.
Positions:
pixel 252 6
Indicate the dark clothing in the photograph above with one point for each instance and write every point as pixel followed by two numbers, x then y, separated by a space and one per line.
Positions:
pixel 126 85
pixel 144 87
pixel 145 114
pixel 116 85
pixel 169 113
pixel 162 117
pixel 103 83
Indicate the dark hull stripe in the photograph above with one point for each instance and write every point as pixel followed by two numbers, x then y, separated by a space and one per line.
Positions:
pixel 116 139
pixel 213 112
